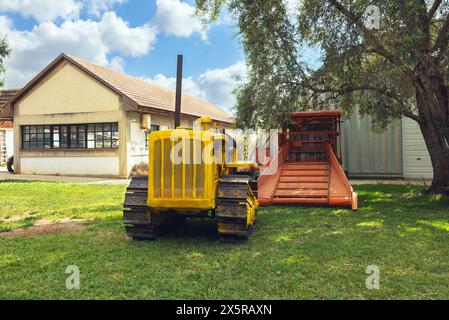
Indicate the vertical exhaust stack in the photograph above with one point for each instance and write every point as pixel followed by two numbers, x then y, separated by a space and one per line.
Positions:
pixel 178 92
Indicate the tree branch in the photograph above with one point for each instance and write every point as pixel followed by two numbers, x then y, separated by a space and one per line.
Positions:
pixel 443 37
pixel 434 9
pixel 378 47
pixel 385 91
pixel 412 116
pixel 424 44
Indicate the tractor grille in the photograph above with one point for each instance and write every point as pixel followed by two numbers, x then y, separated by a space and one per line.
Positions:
pixel 178 170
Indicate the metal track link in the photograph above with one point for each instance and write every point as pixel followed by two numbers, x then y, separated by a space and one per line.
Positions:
pixel 233 230
pixel 235 204
pixel 136 214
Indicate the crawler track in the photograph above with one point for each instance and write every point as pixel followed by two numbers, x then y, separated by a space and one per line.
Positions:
pixel 236 208
pixel 136 214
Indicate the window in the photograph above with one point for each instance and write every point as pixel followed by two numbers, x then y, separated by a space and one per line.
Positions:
pixel 153 127
pixel 73 136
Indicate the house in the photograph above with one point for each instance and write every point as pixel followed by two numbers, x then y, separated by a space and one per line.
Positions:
pixel 6 124
pixel 78 118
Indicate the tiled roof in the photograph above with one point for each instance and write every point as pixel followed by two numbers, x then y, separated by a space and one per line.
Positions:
pixel 151 95
pixel 7 124
pixel 6 95
pixel 5 108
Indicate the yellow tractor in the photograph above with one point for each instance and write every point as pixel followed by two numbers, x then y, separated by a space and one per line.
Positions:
pixel 192 173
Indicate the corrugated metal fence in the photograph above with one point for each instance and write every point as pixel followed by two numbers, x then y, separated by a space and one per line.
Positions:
pixel 369 154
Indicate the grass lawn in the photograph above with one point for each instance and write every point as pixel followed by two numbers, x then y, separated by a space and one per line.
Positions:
pixel 294 253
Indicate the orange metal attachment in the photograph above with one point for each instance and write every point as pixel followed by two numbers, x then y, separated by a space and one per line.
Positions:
pixel 307 170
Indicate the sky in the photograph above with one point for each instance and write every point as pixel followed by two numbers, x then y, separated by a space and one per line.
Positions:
pixel 139 37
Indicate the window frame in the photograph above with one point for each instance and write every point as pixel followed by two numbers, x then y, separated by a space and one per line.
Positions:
pixel 153 127
pixel 69 136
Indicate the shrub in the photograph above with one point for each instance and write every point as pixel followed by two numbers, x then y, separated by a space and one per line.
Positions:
pixel 140 169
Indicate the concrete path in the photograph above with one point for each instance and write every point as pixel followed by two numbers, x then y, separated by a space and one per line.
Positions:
pixel 5 175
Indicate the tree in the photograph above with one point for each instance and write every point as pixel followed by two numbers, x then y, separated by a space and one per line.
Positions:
pixel 399 69
pixel 4 52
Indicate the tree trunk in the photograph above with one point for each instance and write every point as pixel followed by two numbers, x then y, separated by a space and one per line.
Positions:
pixel 439 155
pixel 433 107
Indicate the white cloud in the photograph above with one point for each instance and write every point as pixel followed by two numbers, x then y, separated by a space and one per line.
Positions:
pixel 177 18
pixel 189 85
pixel 118 36
pixel 42 10
pixel 214 85
pixel 117 64
pixel 91 40
pixel 219 83
pixel 59 29
pixel 5 23
pixel 49 10
pixel 96 7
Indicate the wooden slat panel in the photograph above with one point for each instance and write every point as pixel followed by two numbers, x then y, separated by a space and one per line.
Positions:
pixel 303 179
pixel 302 185
pixel 300 201
pixel 301 193
pixel 307 162
pixel 304 173
pixel 306 167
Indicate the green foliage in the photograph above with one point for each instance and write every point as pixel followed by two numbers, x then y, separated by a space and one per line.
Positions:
pixel 294 252
pixel 371 69
pixel 4 52
pixel 267 40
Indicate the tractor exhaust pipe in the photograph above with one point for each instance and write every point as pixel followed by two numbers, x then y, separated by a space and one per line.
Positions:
pixel 178 92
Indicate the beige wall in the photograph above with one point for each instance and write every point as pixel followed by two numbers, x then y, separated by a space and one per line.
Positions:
pixel 68 90
pixel 102 165
pixel 135 146
pixel 167 122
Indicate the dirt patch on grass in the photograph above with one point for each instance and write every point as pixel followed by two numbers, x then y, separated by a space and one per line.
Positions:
pixel 46 227
pixel 15 218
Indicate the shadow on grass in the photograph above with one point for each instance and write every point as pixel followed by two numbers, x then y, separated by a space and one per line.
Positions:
pixel 192 229
pixel 399 199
